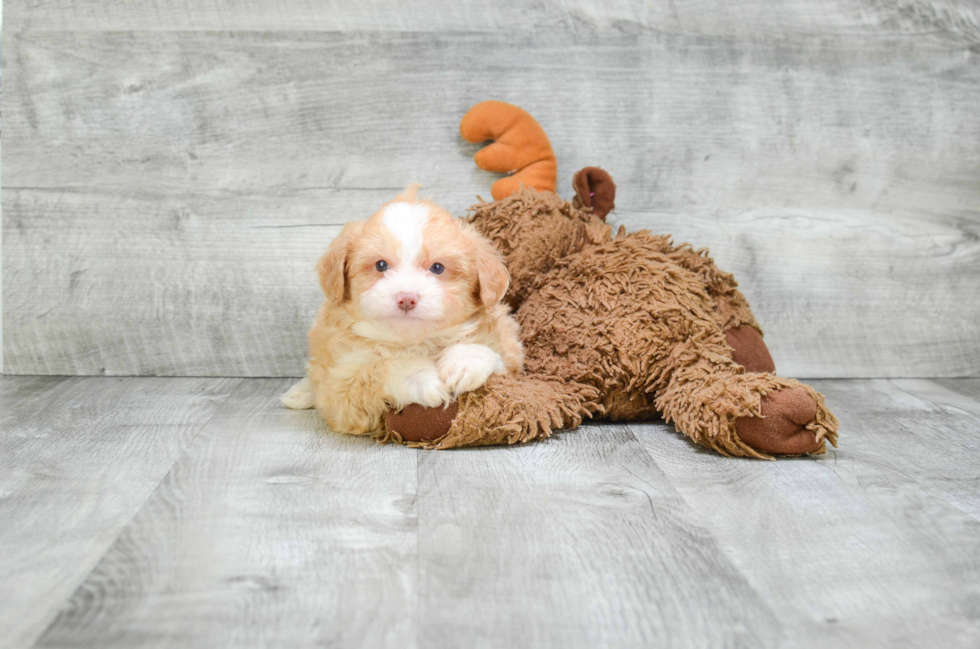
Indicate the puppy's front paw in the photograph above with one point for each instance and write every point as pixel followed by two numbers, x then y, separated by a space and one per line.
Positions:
pixel 464 368
pixel 420 385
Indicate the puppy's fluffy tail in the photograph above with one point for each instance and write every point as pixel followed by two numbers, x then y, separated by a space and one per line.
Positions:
pixel 300 396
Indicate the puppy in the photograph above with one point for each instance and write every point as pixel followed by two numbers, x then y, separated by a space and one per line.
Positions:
pixel 412 314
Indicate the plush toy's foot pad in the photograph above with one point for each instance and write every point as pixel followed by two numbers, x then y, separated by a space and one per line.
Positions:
pixel 749 349
pixel 782 430
pixel 415 423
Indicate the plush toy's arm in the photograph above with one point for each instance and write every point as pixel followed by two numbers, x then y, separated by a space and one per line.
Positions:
pixel 508 409
pixel 520 147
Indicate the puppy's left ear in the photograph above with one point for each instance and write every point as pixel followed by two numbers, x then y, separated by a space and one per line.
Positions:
pixel 491 272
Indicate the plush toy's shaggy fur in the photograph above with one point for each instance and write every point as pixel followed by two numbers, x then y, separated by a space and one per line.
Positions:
pixel 625 326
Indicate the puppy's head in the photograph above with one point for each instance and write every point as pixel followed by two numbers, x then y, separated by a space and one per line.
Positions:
pixel 412 268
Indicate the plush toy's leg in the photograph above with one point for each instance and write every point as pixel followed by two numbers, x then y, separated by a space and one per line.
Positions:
pixel 595 192
pixel 719 405
pixel 749 350
pixel 732 312
pixel 506 410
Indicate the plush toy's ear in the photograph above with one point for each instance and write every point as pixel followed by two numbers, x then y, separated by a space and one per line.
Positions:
pixel 520 147
pixel 490 270
pixel 332 267
pixel 595 189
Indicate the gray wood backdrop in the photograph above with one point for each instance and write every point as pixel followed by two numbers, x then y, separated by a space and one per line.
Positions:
pixel 172 169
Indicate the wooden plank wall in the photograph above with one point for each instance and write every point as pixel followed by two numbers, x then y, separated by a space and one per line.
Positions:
pixel 172 169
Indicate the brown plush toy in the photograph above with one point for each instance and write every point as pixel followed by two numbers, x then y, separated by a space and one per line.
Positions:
pixel 626 326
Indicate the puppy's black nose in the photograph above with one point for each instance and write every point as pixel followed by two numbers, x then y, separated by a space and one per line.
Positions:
pixel 407 301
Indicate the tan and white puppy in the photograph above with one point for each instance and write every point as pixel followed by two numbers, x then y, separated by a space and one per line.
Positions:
pixel 412 314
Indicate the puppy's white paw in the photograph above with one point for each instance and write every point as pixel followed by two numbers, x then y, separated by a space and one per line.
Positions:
pixel 300 396
pixel 417 383
pixel 464 368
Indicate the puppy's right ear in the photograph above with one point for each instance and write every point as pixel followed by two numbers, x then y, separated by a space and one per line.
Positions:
pixel 333 265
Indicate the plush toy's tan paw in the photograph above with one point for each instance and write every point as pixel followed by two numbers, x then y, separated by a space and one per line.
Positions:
pixel 749 350
pixel 415 423
pixel 783 428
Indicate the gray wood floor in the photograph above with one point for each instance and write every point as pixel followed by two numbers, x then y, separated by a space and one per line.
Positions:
pixel 198 512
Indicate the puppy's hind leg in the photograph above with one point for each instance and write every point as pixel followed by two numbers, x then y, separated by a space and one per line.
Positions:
pixel 300 396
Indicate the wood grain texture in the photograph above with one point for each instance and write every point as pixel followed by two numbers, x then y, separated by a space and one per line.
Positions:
pixel 875 544
pixel 750 19
pixel 166 193
pixel 268 531
pixel 966 387
pixel 575 542
pixel 77 459
pixel 1 270
pixel 937 427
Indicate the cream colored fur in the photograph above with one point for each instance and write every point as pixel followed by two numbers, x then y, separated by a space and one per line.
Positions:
pixel 367 358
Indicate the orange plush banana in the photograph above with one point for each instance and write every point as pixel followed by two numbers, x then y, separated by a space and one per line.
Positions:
pixel 520 147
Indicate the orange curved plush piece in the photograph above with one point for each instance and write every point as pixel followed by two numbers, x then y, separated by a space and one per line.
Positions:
pixel 520 147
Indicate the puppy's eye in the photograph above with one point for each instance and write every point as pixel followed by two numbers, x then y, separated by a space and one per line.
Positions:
pixel 382 266
pixel 437 268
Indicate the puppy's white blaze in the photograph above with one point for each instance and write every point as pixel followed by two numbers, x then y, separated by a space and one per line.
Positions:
pixel 406 221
